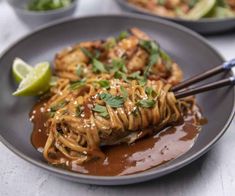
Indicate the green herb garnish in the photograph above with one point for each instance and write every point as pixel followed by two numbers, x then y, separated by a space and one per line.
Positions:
pixel 120 75
pixel 77 84
pixel 79 70
pixel 104 84
pixel 119 65
pixel 44 5
pixel 122 35
pixel 142 81
pixel 124 92
pixel 167 60
pixel 113 101
pixel 135 111
pixel 87 53
pixel 149 91
pixel 78 110
pixel 137 76
pixel 58 106
pixel 153 49
pixel 102 110
pixel 98 66
pixel 110 43
pixel 147 103
pixel 161 2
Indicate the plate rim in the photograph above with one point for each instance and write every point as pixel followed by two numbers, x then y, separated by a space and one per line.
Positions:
pixel 139 177
pixel 139 10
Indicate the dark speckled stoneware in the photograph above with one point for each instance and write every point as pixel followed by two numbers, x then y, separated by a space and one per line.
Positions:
pixel 188 49
pixel 203 26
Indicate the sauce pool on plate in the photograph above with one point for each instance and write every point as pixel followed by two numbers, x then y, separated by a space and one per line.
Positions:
pixel 126 159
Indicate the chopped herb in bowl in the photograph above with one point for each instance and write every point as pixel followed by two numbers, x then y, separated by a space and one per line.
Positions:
pixel 45 5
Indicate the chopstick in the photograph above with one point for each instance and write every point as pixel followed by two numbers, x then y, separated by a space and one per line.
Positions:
pixel 209 73
pixel 206 87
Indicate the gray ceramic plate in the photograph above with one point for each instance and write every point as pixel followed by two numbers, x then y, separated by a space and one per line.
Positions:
pixel 187 48
pixel 203 26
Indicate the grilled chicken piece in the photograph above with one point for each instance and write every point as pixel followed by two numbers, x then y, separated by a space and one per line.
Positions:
pixel 138 60
pixel 125 47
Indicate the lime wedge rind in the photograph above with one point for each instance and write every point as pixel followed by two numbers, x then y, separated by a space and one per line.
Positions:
pixel 20 69
pixel 36 82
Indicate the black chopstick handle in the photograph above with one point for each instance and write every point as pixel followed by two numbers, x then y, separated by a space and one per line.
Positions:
pixel 211 72
pixel 206 87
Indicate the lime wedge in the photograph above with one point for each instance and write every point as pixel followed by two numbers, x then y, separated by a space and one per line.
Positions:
pixel 201 9
pixel 221 12
pixel 53 81
pixel 20 69
pixel 36 82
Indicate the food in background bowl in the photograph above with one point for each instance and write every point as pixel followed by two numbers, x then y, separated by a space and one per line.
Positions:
pixel 188 9
pixel 45 5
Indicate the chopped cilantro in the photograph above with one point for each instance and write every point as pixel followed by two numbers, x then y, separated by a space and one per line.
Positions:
pixel 120 75
pixel 153 49
pixel 58 106
pixel 111 100
pixel 124 92
pixel 79 70
pixel 98 66
pixel 119 65
pixel 110 43
pixel 101 110
pixel 122 35
pixel 78 110
pixel 146 103
pixel 137 76
pixel 150 91
pixel 87 53
pixel 104 84
pixel 166 59
pixel 77 84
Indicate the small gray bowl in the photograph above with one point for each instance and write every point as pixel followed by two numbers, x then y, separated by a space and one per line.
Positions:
pixel 37 18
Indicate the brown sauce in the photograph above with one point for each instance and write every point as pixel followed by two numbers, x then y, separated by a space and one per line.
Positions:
pixel 125 159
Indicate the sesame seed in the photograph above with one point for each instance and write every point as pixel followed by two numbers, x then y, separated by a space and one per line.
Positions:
pixel 31 118
pixel 40 149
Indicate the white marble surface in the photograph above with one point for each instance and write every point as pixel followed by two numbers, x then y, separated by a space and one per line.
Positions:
pixel 213 174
